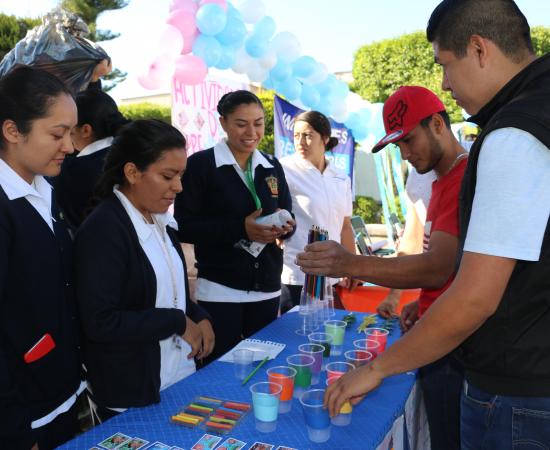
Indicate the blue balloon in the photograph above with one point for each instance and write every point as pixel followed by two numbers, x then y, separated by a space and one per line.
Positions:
pixel 227 58
pixel 360 134
pixel 310 96
pixel 281 71
pixel 265 27
pixel 304 67
pixel 234 32
pixel 256 46
pixel 208 49
pixel 354 120
pixel 268 83
pixel 326 105
pixel 341 89
pixel 328 86
pixel 291 88
pixel 211 19
pixel 233 12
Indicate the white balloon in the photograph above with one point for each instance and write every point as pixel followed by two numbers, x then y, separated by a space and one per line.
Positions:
pixel 252 10
pixel 286 46
pixel 257 73
pixel 340 112
pixel 170 41
pixel 269 60
pixel 243 61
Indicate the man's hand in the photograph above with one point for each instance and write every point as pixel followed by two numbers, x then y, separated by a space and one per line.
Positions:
pixel 388 307
pixel 103 68
pixel 352 386
pixel 326 258
pixel 193 337
pixel 264 234
pixel 350 283
pixel 409 315
pixel 208 338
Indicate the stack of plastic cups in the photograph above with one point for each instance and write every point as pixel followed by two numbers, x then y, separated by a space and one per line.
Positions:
pixel 284 376
pixel 306 311
pixel 265 402
pixel 325 340
pixel 334 371
pixel 337 329
pixel 316 351
pixel 317 417
pixel 370 345
pixel 302 364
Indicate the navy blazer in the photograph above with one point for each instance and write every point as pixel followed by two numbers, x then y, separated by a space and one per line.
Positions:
pixel 116 294
pixel 36 297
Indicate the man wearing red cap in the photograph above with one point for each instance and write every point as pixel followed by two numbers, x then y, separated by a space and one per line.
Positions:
pixel 416 121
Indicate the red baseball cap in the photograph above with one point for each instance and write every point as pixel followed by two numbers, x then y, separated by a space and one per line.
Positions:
pixel 404 110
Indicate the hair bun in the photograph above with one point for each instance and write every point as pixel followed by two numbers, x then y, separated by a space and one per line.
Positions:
pixel 332 142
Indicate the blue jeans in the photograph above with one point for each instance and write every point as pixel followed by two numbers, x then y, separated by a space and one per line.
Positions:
pixel 491 422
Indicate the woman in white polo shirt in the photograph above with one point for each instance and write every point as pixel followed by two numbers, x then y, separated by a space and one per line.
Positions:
pixel 321 196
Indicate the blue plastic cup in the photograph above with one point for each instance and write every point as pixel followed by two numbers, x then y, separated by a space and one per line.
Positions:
pixel 317 418
pixel 265 402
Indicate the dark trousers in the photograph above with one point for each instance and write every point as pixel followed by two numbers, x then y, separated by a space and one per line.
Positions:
pixel 236 321
pixel 441 383
pixel 290 296
pixel 62 429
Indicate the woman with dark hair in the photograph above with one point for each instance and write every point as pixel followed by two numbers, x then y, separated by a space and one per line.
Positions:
pixel 141 328
pixel 321 195
pixel 40 364
pixel 225 190
pixel 98 122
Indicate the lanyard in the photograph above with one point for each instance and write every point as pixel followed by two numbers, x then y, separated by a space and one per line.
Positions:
pixel 168 258
pixel 250 183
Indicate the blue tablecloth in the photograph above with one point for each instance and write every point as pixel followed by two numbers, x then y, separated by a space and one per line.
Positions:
pixel 372 418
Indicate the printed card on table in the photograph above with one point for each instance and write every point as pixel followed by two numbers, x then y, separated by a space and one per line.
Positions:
pixel 231 444
pixel 261 446
pixel 207 442
pixel 114 441
pixel 282 447
pixel 133 444
pixel 159 446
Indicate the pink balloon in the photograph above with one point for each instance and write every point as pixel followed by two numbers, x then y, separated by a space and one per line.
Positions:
pixel 185 5
pixel 183 21
pixel 222 3
pixel 161 68
pixel 170 41
pixel 148 83
pixel 190 69
pixel 188 42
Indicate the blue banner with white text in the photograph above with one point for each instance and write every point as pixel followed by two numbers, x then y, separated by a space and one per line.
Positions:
pixel 341 155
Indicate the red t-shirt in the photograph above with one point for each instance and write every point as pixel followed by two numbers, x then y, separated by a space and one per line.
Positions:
pixel 442 215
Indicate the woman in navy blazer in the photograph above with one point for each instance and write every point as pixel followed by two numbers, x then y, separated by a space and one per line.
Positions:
pixel 141 328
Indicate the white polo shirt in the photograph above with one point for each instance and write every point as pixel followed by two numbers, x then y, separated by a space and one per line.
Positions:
pixel 96 146
pixel 319 198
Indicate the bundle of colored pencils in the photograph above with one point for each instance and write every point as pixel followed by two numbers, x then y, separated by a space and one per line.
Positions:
pixel 315 284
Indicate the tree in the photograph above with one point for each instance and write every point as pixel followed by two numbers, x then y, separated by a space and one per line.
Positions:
pixel 382 67
pixel 89 11
pixel 12 30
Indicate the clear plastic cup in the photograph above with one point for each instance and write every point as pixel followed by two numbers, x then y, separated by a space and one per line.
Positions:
pixel 379 335
pixel 370 345
pixel 302 364
pixel 265 402
pixel 336 329
pixel 358 357
pixel 317 418
pixel 338 368
pixel 242 362
pixel 325 340
pixel 283 375
pixel 316 351
pixel 343 418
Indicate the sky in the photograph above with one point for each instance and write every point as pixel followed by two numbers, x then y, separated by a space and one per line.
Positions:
pixel 329 30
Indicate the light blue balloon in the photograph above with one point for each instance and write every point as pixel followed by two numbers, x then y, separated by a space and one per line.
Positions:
pixel 291 88
pixel 268 83
pixel 281 71
pixel 208 49
pixel 265 27
pixel 234 32
pixel 233 12
pixel 354 120
pixel 304 67
pixel 360 134
pixel 211 19
pixel 327 87
pixel 326 105
pixel 227 58
pixel 256 46
pixel 341 89
pixel 310 96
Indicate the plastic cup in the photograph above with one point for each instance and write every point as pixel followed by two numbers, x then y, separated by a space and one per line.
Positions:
pixel 358 357
pixel 336 329
pixel 344 417
pixel 302 364
pixel 379 335
pixel 284 376
pixel 317 418
pixel 338 368
pixel 316 351
pixel 265 402
pixel 242 362
pixel 370 345
pixel 325 340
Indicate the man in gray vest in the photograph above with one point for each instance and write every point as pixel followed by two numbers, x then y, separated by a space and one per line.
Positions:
pixel 497 311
